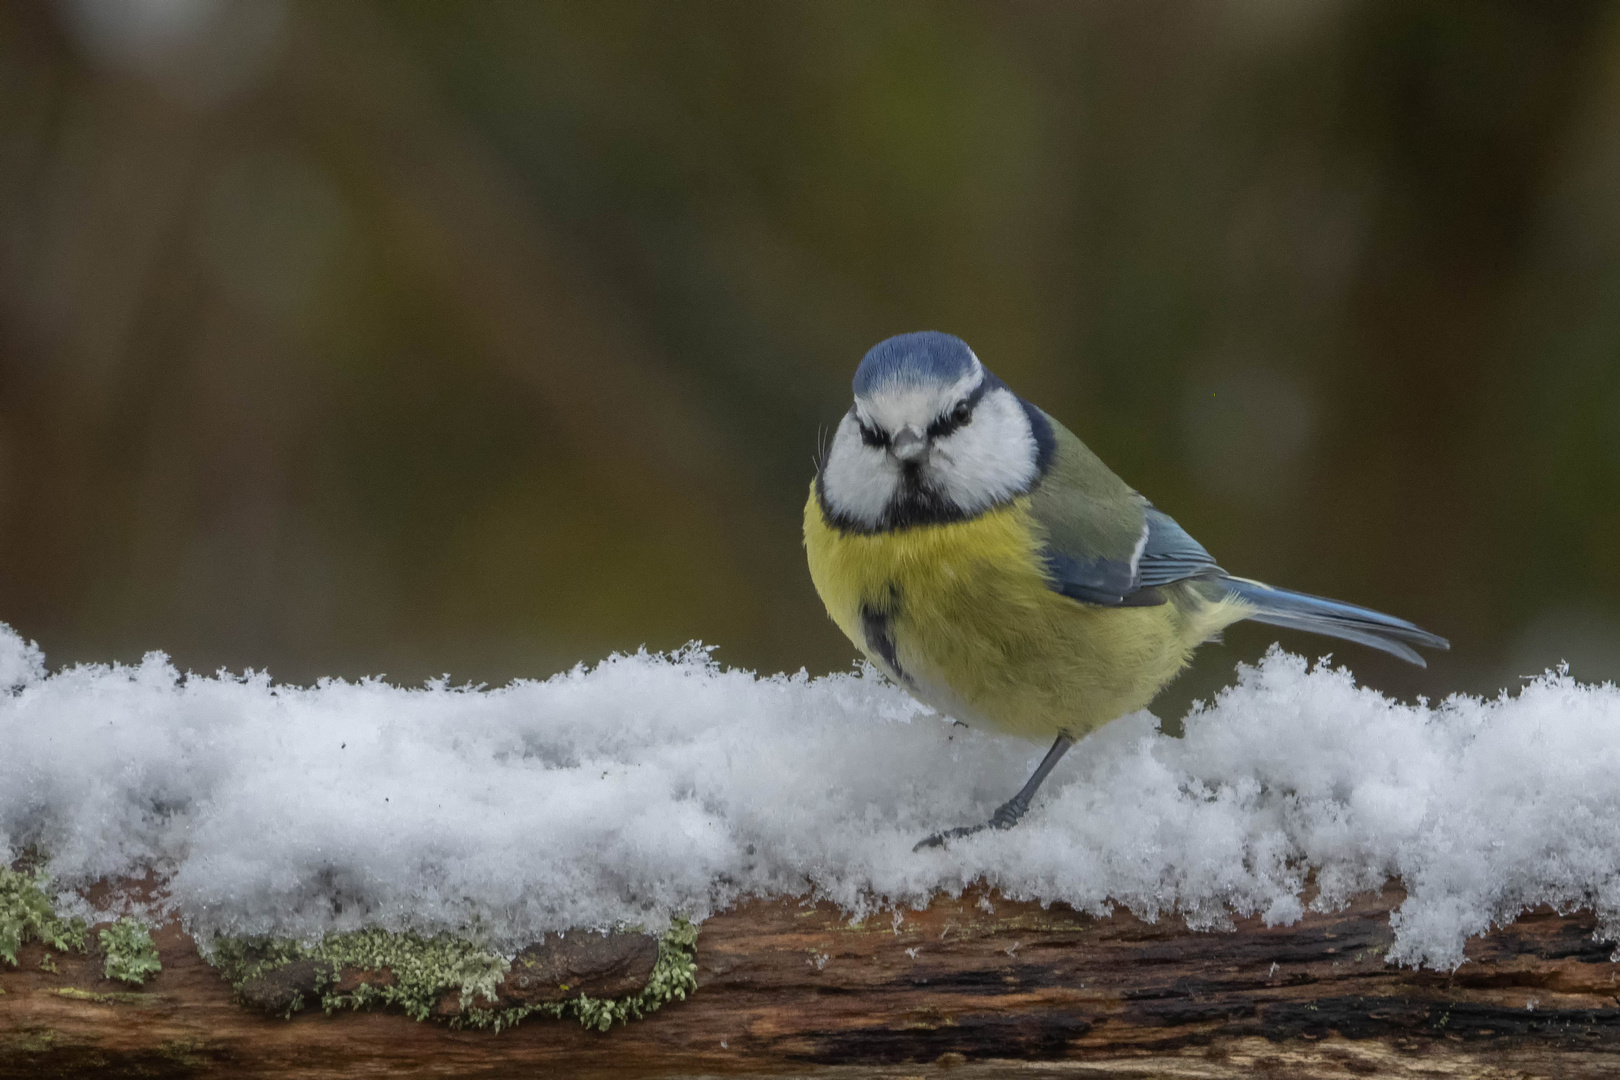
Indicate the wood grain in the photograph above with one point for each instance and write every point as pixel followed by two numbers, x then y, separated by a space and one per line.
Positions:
pixel 975 986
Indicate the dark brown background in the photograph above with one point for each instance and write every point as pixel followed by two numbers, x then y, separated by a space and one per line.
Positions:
pixel 486 338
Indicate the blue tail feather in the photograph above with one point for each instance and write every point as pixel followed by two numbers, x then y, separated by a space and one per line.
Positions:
pixel 1319 615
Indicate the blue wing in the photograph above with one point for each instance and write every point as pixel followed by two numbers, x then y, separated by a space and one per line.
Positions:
pixel 1163 553
pixel 1104 543
pixel 1169 554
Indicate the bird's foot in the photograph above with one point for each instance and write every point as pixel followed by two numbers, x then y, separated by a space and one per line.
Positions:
pixel 1010 812
pixel 1006 816
pixel 943 839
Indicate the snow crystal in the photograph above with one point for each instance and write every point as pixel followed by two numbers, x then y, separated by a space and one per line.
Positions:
pixel 650 786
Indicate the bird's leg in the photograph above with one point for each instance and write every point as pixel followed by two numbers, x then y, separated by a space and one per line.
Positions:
pixel 1008 813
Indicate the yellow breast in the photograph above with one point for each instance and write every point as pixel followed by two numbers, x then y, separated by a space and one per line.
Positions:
pixel 962 616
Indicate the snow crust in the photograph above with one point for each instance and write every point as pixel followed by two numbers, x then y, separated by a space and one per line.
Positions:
pixel 649 786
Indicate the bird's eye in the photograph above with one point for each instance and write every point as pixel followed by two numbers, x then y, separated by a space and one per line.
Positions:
pixel 871 436
pixel 962 413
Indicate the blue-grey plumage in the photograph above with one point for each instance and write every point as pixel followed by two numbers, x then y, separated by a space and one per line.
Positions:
pixel 1091 568
pixel 984 557
pixel 1334 618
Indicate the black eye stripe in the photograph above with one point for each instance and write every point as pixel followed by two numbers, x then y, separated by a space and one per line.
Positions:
pixel 961 413
pixel 871 436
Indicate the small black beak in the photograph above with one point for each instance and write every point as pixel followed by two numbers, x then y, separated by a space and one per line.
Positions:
pixel 908 445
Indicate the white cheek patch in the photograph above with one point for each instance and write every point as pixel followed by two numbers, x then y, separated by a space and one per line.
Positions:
pixel 858 481
pixel 988 460
pixel 977 466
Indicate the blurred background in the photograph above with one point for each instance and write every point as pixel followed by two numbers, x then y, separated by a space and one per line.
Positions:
pixel 486 338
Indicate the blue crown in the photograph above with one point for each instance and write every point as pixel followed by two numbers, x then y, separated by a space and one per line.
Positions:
pixel 913 360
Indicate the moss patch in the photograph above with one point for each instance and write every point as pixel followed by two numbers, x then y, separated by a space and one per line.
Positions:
pixel 442 976
pixel 131 953
pixel 27 914
pixel 75 994
pixel 30 1041
pixel 673 977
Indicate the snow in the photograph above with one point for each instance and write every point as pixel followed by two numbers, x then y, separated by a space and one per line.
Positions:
pixel 650 786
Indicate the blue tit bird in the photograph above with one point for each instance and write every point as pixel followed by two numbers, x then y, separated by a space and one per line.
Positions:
pixel 987 561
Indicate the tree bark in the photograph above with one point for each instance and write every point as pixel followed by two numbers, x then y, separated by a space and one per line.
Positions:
pixel 975 986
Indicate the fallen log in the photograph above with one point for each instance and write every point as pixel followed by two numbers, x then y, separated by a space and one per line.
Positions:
pixel 973 986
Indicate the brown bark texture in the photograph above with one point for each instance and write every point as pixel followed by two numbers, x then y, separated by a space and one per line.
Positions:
pixel 974 986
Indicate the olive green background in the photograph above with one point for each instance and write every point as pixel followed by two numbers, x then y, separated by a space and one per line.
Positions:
pixel 486 338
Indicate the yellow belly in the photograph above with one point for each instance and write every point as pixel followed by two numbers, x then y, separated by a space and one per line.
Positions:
pixel 974 631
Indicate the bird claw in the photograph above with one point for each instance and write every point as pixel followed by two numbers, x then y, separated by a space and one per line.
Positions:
pixel 943 839
pixel 1006 816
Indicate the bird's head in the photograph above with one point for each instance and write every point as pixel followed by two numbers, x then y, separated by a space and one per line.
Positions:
pixel 932 437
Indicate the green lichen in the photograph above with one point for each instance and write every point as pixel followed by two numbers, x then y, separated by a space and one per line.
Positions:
pixel 674 975
pixel 34 1040
pixel 131 953
pixel 27 914
pixel 73 993
pixel 190 1053
pixel 425 970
